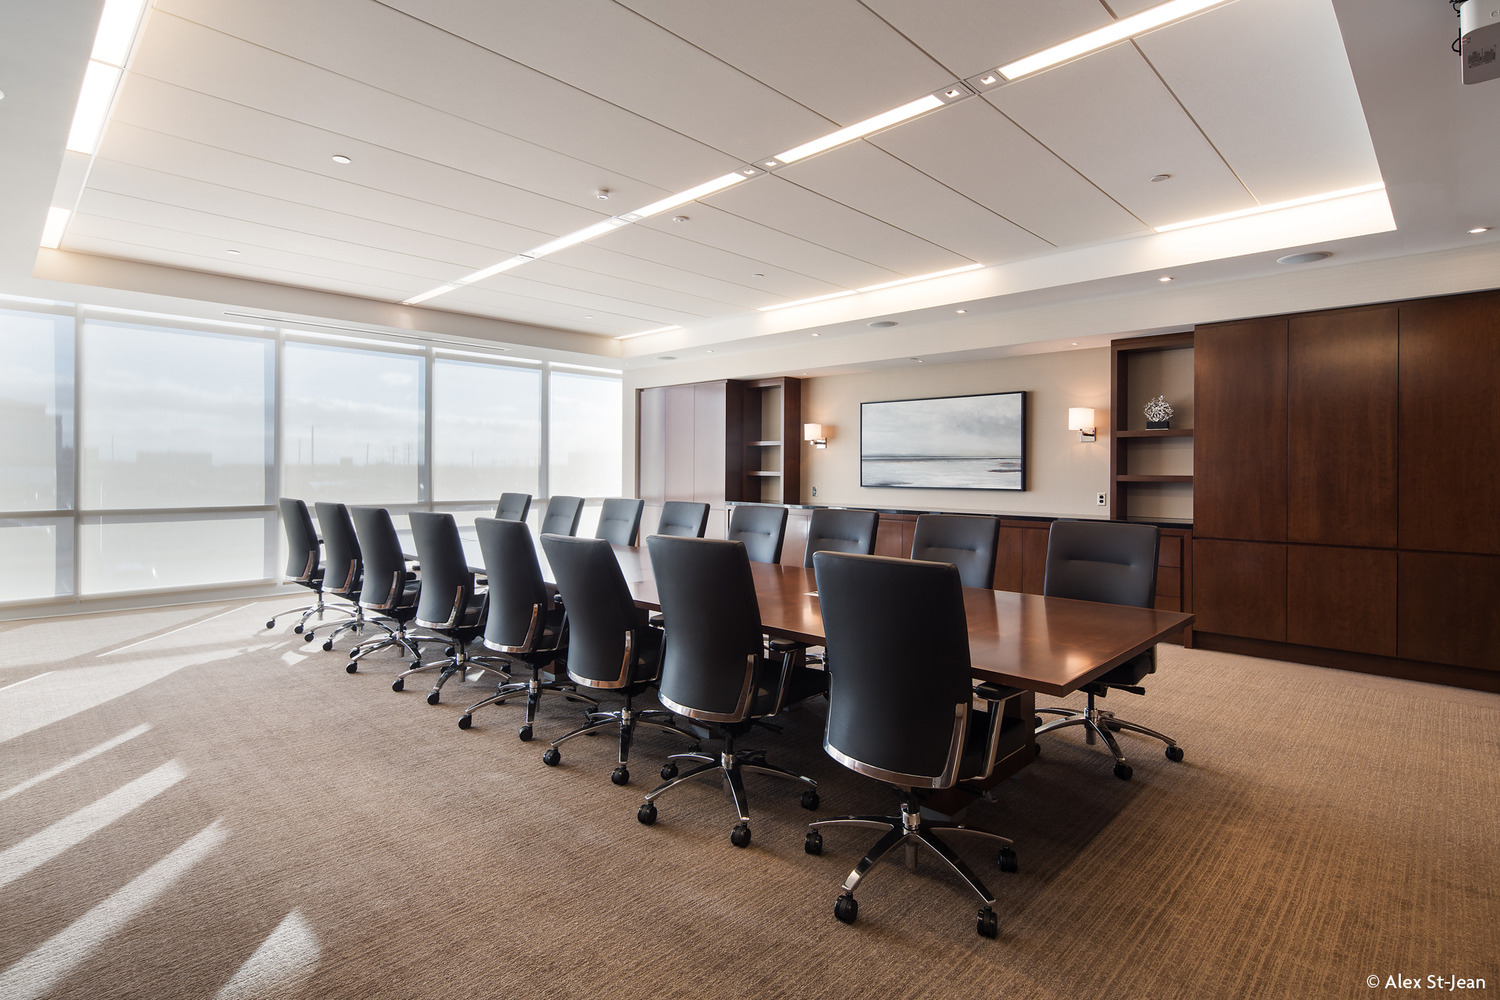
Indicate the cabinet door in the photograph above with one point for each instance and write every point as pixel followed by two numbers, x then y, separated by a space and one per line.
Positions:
pixel 1341 443
pixel 1239 438
pixel 709 400
pixel 1448 607
pixel 1239 588
pixel 678 451
pixel 1450 412
pixel 651 445
pixel 1341 598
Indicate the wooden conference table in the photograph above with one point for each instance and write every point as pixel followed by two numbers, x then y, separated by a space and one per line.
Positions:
pixel 1047 645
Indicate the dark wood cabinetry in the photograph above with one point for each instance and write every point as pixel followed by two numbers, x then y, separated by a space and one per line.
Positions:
pixel 1140 458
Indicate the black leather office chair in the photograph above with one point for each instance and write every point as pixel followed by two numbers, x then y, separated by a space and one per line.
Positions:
pixel 1112 562
pixel 836 530
pixel 620 521
pixel 449 603
pixel 513 506
pixel 561 516
pixel 611 646
pixel 883 618
pixel 522 623
pixel 390 590
pixel 683 519
pixel 762 529
pixel 343 570
pixel 304 560
pixel 714 670
pixel 967 541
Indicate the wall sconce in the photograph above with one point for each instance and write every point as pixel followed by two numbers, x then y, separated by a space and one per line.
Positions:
pixel 1081 419
pixel 815 434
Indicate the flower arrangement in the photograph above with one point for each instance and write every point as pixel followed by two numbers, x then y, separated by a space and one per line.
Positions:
pixel 1158 413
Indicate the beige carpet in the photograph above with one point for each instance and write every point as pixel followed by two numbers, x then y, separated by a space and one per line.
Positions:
pixel 312 834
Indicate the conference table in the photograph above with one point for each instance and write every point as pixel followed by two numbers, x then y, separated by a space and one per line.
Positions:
pixel 1046 645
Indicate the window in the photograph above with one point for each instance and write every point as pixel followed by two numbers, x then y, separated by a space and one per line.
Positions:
pixel 486 431
pixel 351 425
pixel 584 435
pixel 172 418
pixel 36 412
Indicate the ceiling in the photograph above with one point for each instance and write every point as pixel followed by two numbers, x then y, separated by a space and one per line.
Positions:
pixel 477 130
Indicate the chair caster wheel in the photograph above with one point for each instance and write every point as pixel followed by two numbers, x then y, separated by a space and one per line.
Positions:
pixel 1036 749
pixel 620 775
pixel 449 650
pixel 399 684
pixel 1006 859
pixel 846 908
pixel 809 799
pixel 351 666
pixel 327 645
pixel 297 629
pixel 740 835
pixel 813 842
pixel 988 924
pixel 1174 753
pixel 433 697
pixel 1123 771
pixel 552 757
pixel 465 721
pixel 1036 722
pixel 668 771
pixel 271 623
pixel 646 813
pixel 308 637
pixel 525 733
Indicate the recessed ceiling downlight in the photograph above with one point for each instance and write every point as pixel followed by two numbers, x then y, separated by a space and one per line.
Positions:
pixel 882 324
pixel 1304 258
pixel 340 158
pixel 666 357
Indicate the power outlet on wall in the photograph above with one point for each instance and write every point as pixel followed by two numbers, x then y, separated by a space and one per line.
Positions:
pixel 815 491
pixel 1102 499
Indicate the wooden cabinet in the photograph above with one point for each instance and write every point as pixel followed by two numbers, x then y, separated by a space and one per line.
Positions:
pixel 773 441
pixel 1341 598
pixel 1239 588
pixel 1239 447
pixel 689 444
pixel 1150 470
pixel 1341 428
pixel 1448 609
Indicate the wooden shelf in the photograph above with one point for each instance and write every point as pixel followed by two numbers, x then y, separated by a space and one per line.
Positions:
pixel 762 444
pixel 1172 432
pixel 762 475
pixel 1153 479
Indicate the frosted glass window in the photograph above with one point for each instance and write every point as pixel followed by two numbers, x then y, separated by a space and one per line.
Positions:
pixel 171 418
pixel 31 557
pixel 162 553
pixel 36 412
pixel 351 425
pixel 585 436
pixel 486 431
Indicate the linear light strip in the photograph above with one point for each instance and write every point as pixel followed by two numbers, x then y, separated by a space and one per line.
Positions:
pixel 1116 31
pixel 872 288
pixel 644 333
pixel 56 225
pixel 849 133
pixel 1311 199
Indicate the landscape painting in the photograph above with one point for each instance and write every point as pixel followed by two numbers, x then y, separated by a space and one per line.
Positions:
pixel 947 443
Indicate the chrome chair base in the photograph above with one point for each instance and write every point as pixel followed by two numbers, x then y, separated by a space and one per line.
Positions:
pixel 532 689
pixel 307 611
pixel 1100 723
pixel 458 663
pixel 731 765
pixel 397 637
pixel 625 719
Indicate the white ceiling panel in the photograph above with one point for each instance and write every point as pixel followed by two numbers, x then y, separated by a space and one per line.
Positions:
pixel 570 272
pixel 629 61
pixel 985 156
pixel 549 121
pixel 1111 117
pixel 783 205
pixel 872 181
pixel 971 36
pixel 1304 132
pixel 834 56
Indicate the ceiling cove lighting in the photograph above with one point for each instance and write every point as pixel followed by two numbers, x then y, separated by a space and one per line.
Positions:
pixel 645 333
pixel 873 288
pixel 57 223
pixel 1274 207
pixel 1116 31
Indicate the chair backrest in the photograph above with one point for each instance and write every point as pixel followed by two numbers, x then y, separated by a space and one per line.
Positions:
pixel 608 637
pixel 967 541
pixel 518 603
pixel 302 556
pixel 561 517
pixel 1113 562
pixel 683 519
pixel 447 583
pixel 342 563
pixel 620 520
pixel 513 506
pixel 834 530
pixel 762 529
pixel 713 639
pixel 882 618
pixel 385 573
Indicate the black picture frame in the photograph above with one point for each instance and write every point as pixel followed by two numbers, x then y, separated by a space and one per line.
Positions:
pixel 973 442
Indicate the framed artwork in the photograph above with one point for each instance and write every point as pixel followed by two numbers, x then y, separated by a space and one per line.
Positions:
pixel 945 443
